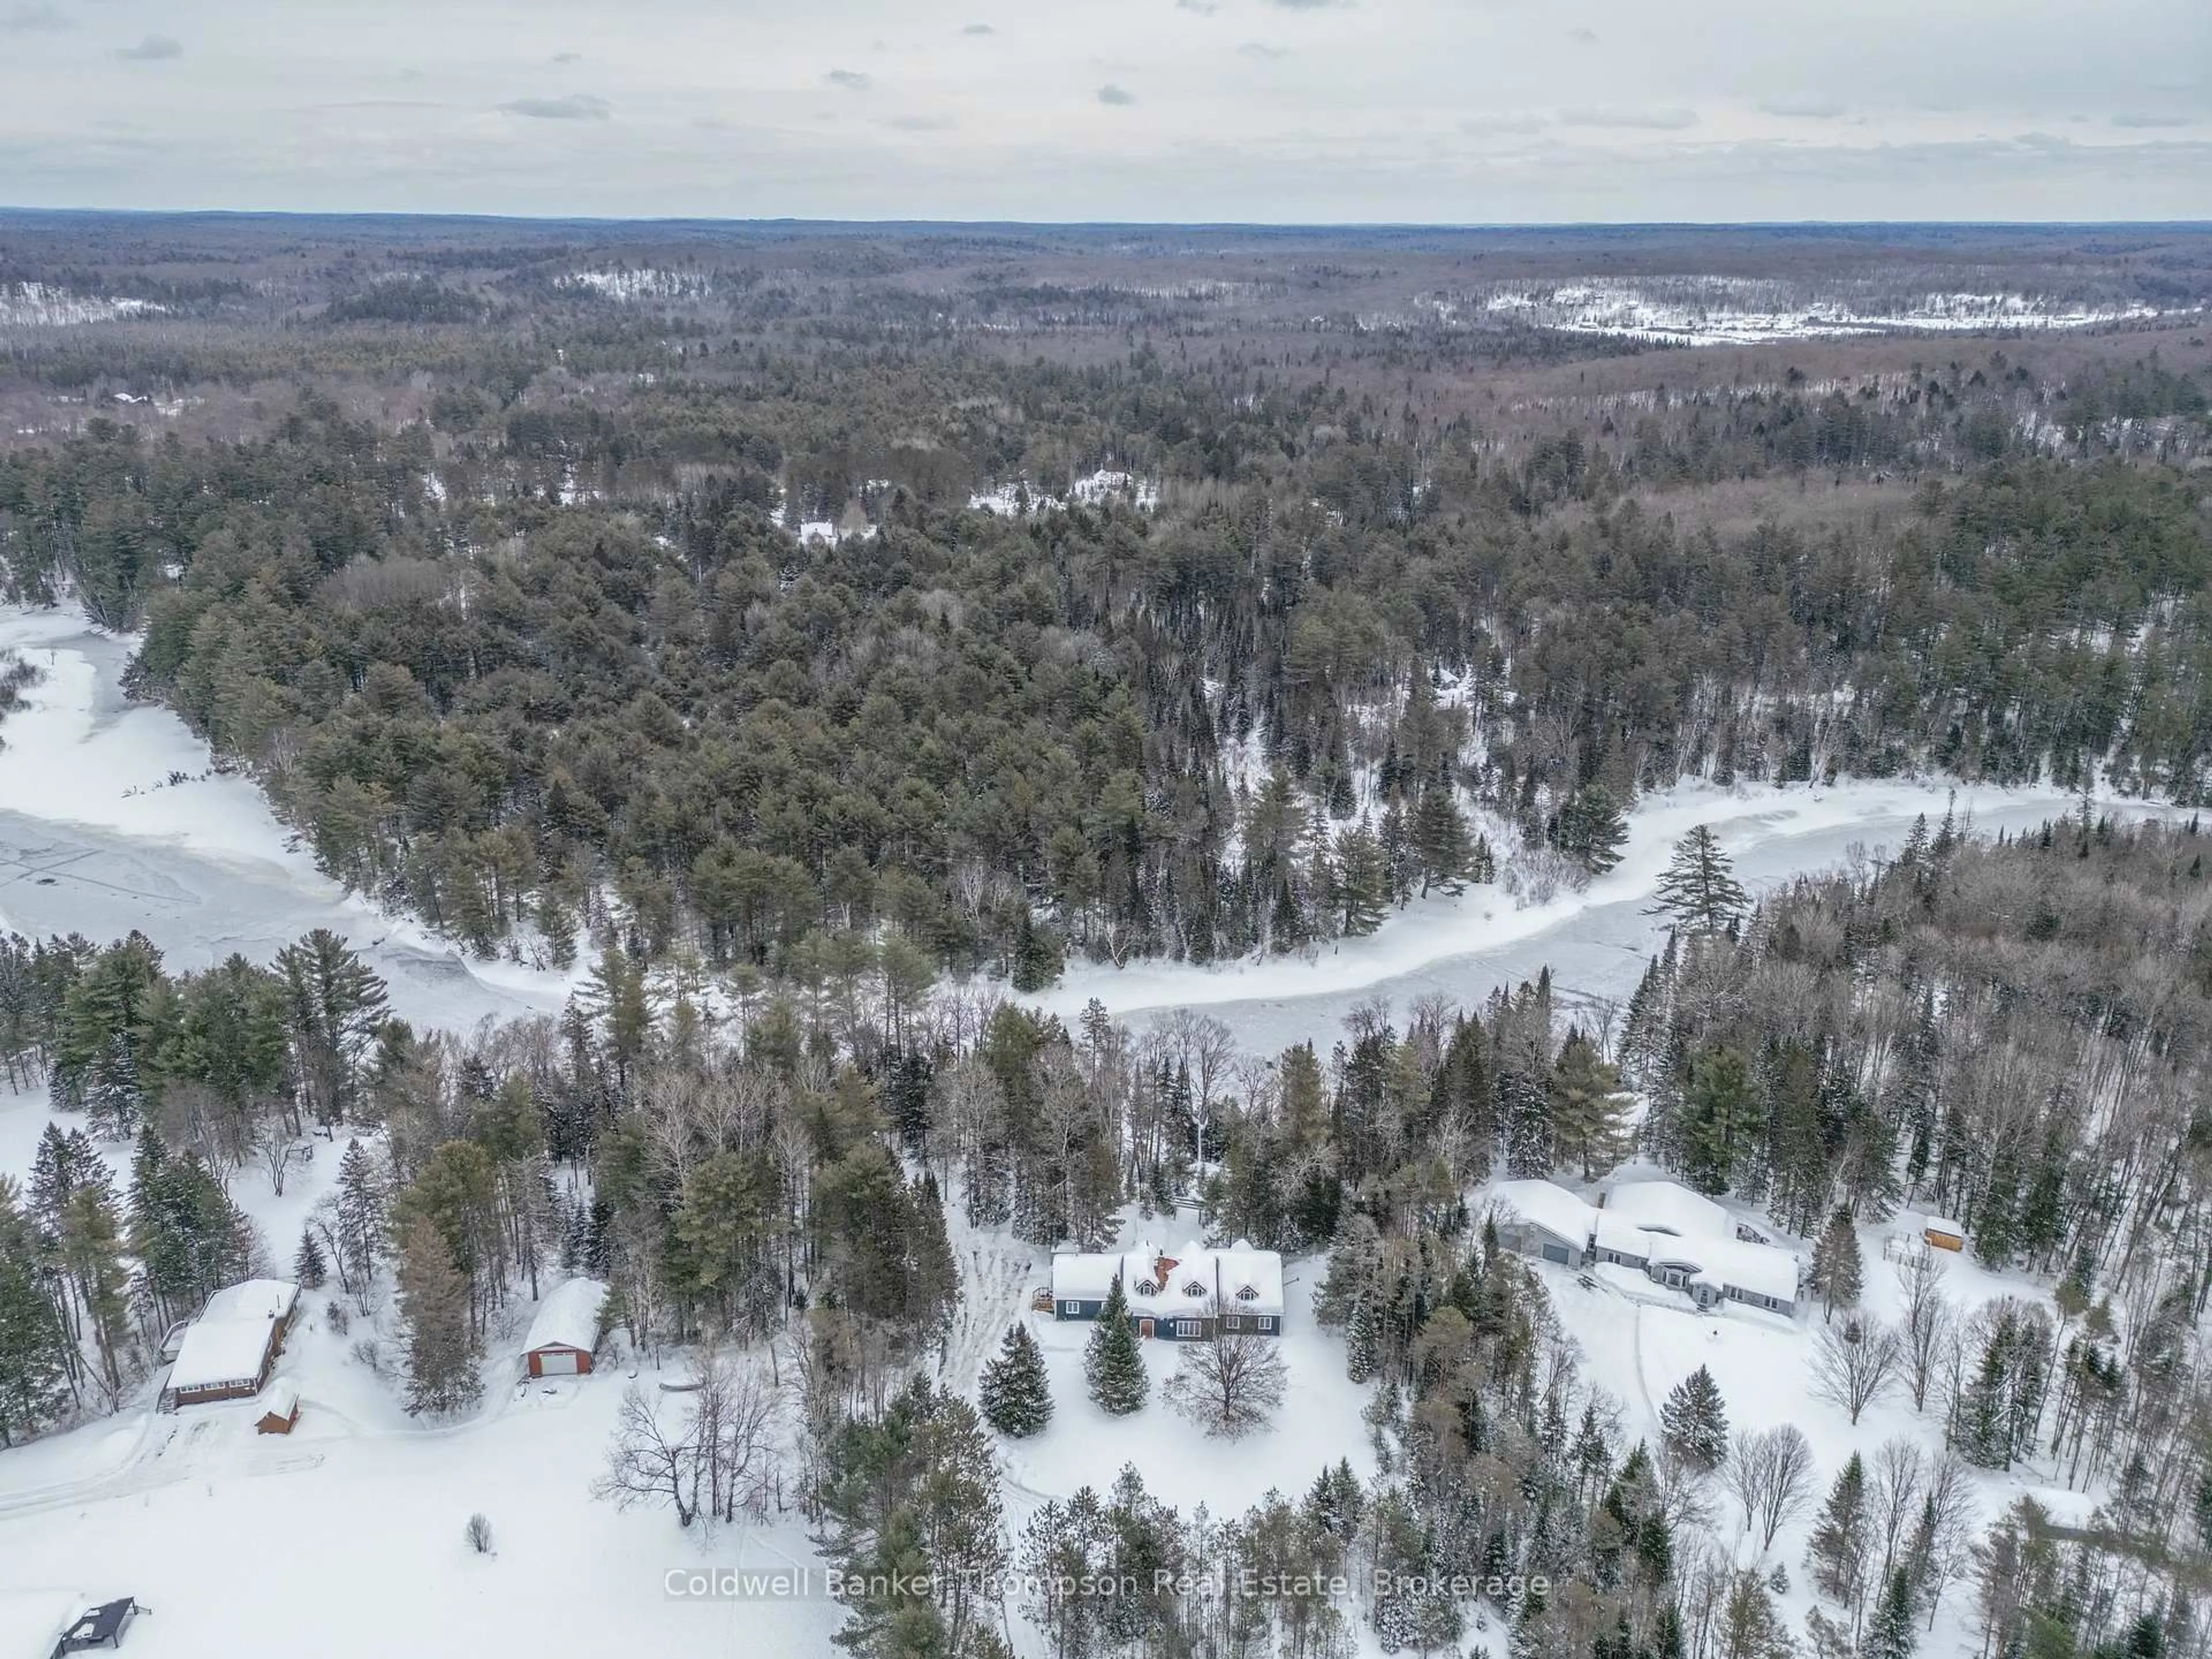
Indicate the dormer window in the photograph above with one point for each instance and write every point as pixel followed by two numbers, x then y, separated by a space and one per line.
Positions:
pixel 1146 1287
pixel 1246 1293
pixel 1194 1289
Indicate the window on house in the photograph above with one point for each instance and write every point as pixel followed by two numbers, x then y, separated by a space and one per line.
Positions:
pixel 1188 1328
pixel 1248 1294
pixel 1146 1287
pixel 1193 1288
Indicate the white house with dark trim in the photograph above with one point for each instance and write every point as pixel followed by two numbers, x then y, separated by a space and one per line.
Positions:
pixel 1661 1228
pixel 1189 1294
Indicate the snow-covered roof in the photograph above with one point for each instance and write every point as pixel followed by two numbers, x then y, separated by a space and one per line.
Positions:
pixel 32 1620
pixel 280 1398
pixel 1549 1205
pixel 1739 1264
pixel 1669 1207
pixel 1936 1224
pixel 568 1317
pixel 228 1343
pixel 1242 1280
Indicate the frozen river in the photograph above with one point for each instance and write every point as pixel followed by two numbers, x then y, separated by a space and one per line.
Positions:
pixel 111 819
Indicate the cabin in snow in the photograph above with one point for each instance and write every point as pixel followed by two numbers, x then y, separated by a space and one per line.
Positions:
pixel 1662 1229
pixel 1190 1296
pixel 229 1351
pixel 566 1332
pixel 1943 1235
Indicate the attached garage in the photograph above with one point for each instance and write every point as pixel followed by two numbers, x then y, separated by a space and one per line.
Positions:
pixel 566 1331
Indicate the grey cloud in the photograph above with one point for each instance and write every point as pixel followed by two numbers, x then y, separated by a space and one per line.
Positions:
pixel 851 80
pixel 1809 109
pixel 576 107
pixel 1308 5
pixel 153 49
pixel 1204 8
pixel 1583 36
pixel 921 123
pixel 1261 49
pixel 2150 121
pixel 30 20
pixel 1632 117
pixel 1110 93
pixel 979 28
pixel 1483 124
pixel 567 57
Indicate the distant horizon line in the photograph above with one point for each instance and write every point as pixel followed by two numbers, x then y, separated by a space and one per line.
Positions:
pixel 1277 227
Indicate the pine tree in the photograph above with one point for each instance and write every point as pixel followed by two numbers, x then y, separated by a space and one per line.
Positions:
pixel 1718 1113
pixel 362 1215
pixel 1015 1396
pixel 442 1347
pixel 1699 891
pixel 1590 1118
pixel 1695 1421
pixel 309 1266
pixel 1591 829
pixel 34 1351
pixel 1524 1118
pixel 1362 881
pixel 1837 1548
pixel 1893 1632
pixel 1441 846
pixel 1114 1364
pixel 1838 1271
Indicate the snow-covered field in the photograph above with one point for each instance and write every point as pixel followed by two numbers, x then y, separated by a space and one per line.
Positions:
pixel 1703 310
pixel 346 1538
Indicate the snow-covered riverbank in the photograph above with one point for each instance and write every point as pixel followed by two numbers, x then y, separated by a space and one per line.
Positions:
pixel 95 838
pixel 113 817
pixel 1595 942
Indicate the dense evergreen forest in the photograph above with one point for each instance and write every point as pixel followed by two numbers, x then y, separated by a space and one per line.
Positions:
pixel 1351 656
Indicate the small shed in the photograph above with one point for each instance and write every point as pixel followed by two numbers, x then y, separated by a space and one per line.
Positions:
pixel 566 1331
pixel 103 1626
pixel 1944 1235
pixel 280 1408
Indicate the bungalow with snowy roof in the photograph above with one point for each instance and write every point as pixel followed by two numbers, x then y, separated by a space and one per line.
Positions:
pixel 228 1351
pixel 1663 1231
pixel 1190 1295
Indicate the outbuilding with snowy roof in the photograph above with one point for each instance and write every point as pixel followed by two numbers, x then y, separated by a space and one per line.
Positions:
pixel 565 1335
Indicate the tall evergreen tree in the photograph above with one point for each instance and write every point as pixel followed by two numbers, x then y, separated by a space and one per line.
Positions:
pixel 1015 1396
pixel 1698 890
pixel 1694 1419
pixel 443 1350
pixel 1113 1363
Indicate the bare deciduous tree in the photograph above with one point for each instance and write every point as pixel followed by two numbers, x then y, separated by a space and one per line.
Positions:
pixel 647 1464
pixel 1229 1385
pixel 1855 1364
pixel 1771 1475
pixel 1928 1321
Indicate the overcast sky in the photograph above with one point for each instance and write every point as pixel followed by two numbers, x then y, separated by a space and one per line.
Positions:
pixel 1317 111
